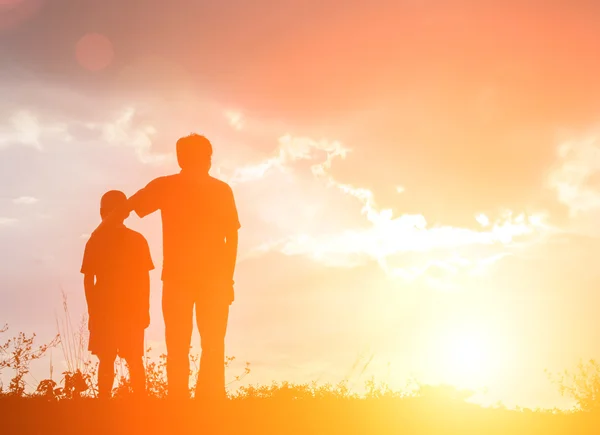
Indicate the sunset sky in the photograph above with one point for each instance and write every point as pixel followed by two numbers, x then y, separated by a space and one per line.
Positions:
pixel 418 182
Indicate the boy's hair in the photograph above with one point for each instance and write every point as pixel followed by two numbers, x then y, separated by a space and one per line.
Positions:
pixel 112 200
pixel 193 152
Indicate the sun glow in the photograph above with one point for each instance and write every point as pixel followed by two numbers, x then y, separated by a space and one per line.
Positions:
pixel 468 356
pixel 469 359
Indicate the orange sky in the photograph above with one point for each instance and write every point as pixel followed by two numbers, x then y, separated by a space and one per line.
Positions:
pixel 416 181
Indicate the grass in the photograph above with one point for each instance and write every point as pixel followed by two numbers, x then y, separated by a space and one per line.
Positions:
pixel 408 415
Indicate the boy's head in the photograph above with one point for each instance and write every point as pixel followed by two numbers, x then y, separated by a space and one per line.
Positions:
pixel 112 200
pixel 194 153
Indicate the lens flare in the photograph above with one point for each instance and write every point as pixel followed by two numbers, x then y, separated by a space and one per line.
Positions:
pixel 94 52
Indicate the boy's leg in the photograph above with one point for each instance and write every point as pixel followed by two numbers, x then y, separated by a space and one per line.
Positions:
pixel 178 312
pixel 106 374
pixel 137 374
pixel 212 315
pixel 131 347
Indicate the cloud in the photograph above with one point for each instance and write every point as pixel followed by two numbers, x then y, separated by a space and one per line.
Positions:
pixel 40 114
pixel 25 200
pixel 388 236
pixel 4 221
pixel 29 128
pixel 576 177
pixel 25 128
pixel 483 220
pixel 235 119
pixel 385 237
pixel 293 149
pixel 124 131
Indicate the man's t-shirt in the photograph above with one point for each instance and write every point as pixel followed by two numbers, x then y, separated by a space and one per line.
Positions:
pixel 120 260
pixel 197 214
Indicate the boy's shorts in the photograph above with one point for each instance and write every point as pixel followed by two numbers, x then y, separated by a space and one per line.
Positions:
pixel 124 342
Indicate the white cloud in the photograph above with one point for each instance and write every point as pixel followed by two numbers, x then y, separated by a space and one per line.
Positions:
pixel 4 221
pixel 389 236
pixel 235 119
pixel 25 128
pixel 35 129
pixel 123 132
pixel 385 237
pixel 25 200
pixel 577 174
pixel 483 220
pixel 290 150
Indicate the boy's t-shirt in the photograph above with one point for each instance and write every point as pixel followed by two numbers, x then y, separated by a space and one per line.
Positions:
pixel 120 260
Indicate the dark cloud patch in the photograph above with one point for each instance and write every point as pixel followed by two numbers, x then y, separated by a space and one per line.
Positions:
pixel 315 58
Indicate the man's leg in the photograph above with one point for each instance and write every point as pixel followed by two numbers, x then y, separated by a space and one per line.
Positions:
pixel 106 374
pixel 212 316
pixel 178 312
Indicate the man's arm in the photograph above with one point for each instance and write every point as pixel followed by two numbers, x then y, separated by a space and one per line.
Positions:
pixel 143 202
pixel 231 248
pixel 88 285
pixel 116 215
pixel 232 225
pixel 147 266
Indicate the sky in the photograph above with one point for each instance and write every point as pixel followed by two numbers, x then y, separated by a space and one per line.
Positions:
pixel 418 182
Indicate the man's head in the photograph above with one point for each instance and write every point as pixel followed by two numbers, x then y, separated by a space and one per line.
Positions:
pixel 194 153
pixel 111 201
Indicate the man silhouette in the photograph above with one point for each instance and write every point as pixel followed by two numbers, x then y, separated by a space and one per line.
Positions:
pixel 200 238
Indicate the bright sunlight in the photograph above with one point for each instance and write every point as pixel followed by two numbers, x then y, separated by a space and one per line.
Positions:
pixel 468 358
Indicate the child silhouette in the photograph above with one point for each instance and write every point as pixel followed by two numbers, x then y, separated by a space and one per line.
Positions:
pixel 116 265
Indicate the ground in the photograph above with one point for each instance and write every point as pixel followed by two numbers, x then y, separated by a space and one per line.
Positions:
pixel 281 416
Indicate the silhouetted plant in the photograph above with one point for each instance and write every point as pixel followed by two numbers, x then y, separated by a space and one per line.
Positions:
pixel 236 378
pixel 291 391
pixel 48 389
pixel 16 354
pixel 378 390
pixel 581 384
pixel 156 378
pixel 75 384
pixel 73 340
